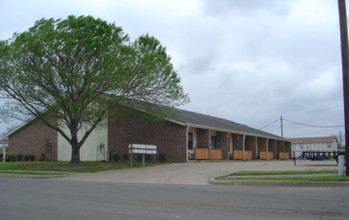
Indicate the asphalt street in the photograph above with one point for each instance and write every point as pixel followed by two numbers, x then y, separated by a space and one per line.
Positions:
pixel 63 199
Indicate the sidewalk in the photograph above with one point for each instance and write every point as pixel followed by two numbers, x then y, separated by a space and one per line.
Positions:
pixel 196 173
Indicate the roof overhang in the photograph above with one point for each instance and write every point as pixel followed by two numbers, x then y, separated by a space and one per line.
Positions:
pixel 225 130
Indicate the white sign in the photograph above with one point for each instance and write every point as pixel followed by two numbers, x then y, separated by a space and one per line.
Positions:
pixel 142 149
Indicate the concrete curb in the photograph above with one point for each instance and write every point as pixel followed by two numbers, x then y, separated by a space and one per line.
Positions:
pixel 280 183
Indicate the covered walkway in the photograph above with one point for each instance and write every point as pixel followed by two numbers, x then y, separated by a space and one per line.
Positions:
pixel 210 144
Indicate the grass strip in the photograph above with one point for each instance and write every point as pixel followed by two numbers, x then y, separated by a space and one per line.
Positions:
pixel 256 173
pixel 310 178
pixel 32 173
pixel 86 166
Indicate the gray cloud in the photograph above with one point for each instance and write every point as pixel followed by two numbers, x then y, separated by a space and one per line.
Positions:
pixel 246 7
pixel 247 61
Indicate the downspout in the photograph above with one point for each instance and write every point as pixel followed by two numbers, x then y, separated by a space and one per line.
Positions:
pixel 186 142
pixel 243 147
pixel 231 145
pixel 256 147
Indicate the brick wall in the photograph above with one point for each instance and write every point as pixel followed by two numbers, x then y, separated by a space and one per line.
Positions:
pixel 288 148
pixel 237 141
pixel 280 146
pixel 223 143
pixel 262 144
pixel 139 128
pixel 272 148
pixel 250 145
pixel 32 140
pixel 203 137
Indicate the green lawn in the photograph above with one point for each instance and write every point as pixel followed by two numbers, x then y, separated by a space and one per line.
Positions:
pixel 255 173
pixel 32 173
pixel 90 166
pixel 310 178
pixel 240 176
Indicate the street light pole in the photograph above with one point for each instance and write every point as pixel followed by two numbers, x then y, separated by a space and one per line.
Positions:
pixel 345 69
pixel 282 127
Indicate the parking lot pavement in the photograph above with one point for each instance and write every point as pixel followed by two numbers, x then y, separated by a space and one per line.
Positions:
pixel 196 173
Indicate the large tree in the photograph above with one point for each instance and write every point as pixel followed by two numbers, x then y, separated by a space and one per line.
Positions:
pixel 70 73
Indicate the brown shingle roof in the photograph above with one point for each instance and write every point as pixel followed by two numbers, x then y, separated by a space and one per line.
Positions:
pixel 329 139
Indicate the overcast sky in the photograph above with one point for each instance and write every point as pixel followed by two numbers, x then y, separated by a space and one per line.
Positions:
pixel 248 61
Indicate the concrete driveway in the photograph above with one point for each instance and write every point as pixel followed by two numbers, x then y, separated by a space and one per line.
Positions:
pixel 195 173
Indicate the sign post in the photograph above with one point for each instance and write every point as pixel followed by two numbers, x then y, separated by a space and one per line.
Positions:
pixel 345 72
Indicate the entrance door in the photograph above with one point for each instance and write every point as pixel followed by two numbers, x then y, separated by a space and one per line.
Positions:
pixel 213 142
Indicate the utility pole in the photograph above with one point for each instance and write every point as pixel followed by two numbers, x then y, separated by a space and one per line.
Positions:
pixel 282 127
pixel 345 70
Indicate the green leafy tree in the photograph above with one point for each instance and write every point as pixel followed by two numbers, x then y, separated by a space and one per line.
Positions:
pixel 71 73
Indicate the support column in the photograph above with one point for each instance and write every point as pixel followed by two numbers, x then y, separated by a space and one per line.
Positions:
pixel 243 147
pixel 267 149
pixel 256 141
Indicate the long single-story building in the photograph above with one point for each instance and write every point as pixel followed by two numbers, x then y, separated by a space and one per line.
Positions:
pixel 181 136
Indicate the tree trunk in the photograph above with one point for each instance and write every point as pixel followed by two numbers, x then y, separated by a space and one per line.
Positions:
pixel 75 156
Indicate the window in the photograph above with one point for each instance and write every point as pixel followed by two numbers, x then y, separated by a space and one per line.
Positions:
pixel 328 145
pixel 190 141
pixel 301 146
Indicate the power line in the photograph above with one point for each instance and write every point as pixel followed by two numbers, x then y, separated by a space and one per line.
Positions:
pixel 273 129
pixel 302 124
pixel 304 134
pixel 315 126
pixel 269 124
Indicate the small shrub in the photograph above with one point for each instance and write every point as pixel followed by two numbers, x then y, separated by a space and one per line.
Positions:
pixel 139 157
pixel 48 147
pixel 26 158
pixel 148 157
pixel 116 157
pixel 13 158
pixel 162 157
pixel 19 157
pixel 42 157
pixel 125 156
pixel 31 157
pixel 8 158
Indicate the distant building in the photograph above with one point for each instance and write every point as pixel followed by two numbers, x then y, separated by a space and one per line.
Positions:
pixel 314 144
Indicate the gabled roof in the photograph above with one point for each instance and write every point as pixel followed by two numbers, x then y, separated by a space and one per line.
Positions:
pixel 305 140
pixel 184 117
pixel 193 119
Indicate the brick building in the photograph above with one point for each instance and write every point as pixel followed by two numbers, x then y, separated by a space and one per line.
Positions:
pixel 181 136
